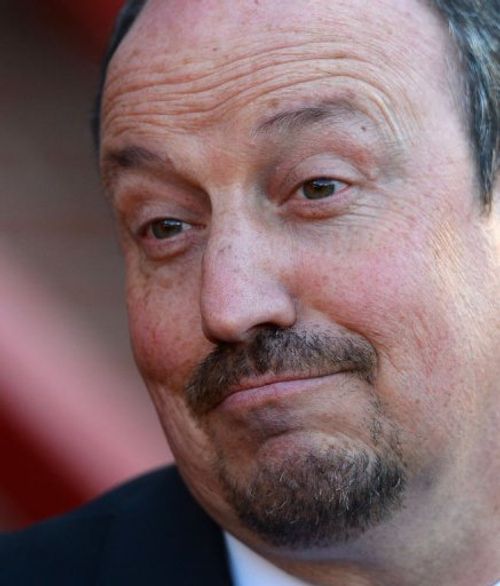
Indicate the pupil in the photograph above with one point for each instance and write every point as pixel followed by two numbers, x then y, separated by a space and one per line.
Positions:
pixel 166 228
pixel 319 188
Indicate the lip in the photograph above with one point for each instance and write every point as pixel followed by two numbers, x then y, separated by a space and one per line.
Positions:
pixel 266 389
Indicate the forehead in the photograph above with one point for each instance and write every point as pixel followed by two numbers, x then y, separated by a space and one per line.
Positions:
pixel 193 63
pixel 189 25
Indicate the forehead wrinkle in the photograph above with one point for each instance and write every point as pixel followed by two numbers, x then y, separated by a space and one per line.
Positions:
pixel 190 77
pixel 196 68
pixel 219 78
pixel 184 112
pixel 192 68
pixel 196 63
pixel 187 39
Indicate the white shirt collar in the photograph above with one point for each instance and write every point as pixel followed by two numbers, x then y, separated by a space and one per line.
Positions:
pixel 248 568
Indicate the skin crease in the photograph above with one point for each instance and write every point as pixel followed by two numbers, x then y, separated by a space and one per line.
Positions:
pixel 402 255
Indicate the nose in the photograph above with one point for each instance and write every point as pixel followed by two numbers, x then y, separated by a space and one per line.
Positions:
pixel 243 285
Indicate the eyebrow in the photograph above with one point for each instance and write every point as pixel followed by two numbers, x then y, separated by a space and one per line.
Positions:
pixel 131 157
pixel 296 119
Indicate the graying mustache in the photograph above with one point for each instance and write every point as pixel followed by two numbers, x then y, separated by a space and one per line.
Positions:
pixel 275 351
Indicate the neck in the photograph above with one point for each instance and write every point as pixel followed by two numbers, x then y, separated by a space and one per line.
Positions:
pixel 427 544
pixel 480 566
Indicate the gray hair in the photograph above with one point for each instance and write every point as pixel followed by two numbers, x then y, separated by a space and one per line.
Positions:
pixel 474 27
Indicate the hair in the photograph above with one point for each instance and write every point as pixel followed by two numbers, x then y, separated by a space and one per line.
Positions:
pixel 474 26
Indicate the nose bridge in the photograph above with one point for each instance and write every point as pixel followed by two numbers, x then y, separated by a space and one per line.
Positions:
pixel 242 281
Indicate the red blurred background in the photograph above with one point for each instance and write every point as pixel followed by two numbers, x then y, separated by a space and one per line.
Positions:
pixel 87 24
pixel 74 416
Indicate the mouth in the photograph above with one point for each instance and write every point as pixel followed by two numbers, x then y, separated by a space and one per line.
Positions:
pixel 254 392
pixel 276 362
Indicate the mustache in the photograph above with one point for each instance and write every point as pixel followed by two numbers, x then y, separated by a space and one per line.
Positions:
pixel 276 351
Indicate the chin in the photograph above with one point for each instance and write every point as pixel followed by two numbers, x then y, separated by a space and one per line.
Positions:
pixel 301 494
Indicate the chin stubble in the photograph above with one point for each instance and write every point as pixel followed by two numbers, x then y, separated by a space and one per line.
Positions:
pixel 318 499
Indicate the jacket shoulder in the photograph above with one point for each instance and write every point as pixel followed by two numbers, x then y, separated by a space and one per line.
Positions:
pixel 120 529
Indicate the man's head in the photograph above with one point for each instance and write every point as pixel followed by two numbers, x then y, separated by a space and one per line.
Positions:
pixel 312 284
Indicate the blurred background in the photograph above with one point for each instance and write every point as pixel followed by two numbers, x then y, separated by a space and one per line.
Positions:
pixel 74 415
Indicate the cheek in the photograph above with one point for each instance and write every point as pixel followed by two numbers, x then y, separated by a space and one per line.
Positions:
pixel 168 344
pixel 165 330
pixel 390 297
pixel 376 293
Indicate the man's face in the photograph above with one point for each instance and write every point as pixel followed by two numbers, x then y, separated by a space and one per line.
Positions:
pixel 311 284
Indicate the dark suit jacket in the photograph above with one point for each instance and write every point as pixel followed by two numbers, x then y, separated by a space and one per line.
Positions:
pixel 149 532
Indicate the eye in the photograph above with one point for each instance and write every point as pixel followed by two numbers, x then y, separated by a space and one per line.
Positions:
pixel 321 188
pixel 164 228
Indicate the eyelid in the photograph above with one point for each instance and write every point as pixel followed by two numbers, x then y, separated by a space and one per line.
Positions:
pixel 147 226
pixel 323 177
pixel 139 216
pixel 160 249
pixel 319 166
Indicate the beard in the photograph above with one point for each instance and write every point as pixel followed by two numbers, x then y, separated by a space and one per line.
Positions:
pixel 316 500
pixel 316 495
